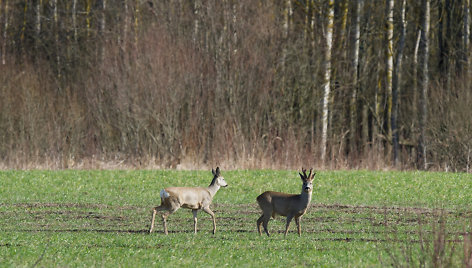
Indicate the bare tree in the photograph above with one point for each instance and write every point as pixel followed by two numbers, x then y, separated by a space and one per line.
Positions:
pixel 56 38
pixel 5 30
pixel 196 21
pixel 102 29
pixel 327 78
pixel 39 4
pixel 396 83
pixel 355 80
pixel 424 87
pixel 288 11
pixel 388 83
pixel 414 107
pixel 466 35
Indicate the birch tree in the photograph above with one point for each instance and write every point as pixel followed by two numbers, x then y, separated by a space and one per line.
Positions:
pixel 414 107
pixel 424 87
pixel 327 79
pixel 355 80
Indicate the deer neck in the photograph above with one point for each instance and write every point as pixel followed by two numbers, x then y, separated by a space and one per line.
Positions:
pixel 305 197
pixel 213 188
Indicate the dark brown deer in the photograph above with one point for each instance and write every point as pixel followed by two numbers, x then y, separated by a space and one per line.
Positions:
pixel 289 205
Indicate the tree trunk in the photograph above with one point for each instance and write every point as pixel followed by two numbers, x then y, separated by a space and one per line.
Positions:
pixel 126 21
pixel 422 160
pixel 102 30
pixel 39 3
pixel 327 79
pixel 88 7
pixel 196 21
pixel 414 108
pixel 136 26
pixel 23 28
pixel 466 36
pixel 396 84
pixel 355 80
pixel 74 19
pixel 388 83
pixel 286 30
pixel 5 30
pixel 56 38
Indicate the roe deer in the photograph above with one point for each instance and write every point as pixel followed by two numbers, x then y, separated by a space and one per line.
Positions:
pixel 194 198
pixel 290 205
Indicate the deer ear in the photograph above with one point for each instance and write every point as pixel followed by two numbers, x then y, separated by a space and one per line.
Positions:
pixel 217 171
pixel 213 172
pixel 301 175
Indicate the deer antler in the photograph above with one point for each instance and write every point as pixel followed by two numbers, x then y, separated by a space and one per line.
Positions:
pixel 303 176
pixel 309 175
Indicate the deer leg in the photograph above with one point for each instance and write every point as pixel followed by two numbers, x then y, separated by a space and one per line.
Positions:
pixel 164 222
pixel 164 218
pixel 289 219
pixel 207 210
pixel 154 212
pixel 297 221
pixel 259 222
pixel 265 222
pixel 194 220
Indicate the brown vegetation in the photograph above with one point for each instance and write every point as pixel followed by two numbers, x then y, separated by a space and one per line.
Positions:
pixel 109 84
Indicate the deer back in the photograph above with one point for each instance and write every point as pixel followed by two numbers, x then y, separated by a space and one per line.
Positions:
pixel 190 197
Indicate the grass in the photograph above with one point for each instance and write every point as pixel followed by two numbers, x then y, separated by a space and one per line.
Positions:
pixel 101 218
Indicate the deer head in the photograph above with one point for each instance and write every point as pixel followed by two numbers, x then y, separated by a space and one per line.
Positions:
pixel 218 179
pixel 307 180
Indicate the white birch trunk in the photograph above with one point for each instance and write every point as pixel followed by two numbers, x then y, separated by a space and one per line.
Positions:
pixel 424 87
pixel 415 79
pixel 327 78
pixel 355 80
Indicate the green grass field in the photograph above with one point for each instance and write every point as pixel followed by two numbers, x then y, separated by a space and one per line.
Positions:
pixel 356 218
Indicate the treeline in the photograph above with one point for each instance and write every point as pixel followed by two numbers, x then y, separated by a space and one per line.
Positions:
pixel 277 84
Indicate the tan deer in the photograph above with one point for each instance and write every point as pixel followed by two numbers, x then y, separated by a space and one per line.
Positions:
pixel 289 205
pixel 193 198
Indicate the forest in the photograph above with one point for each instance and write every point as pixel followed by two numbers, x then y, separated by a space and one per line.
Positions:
pixel 333 84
